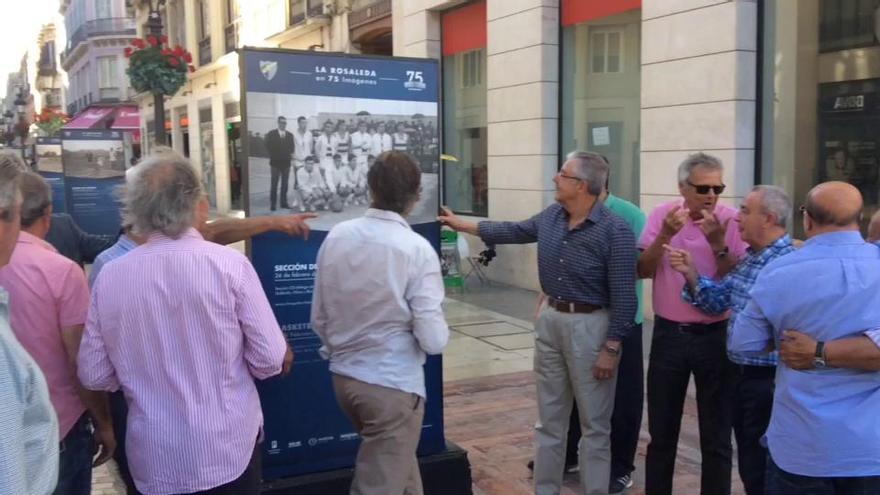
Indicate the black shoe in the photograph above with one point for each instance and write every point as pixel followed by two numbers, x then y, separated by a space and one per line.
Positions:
pixel 272 208
pixel 285 206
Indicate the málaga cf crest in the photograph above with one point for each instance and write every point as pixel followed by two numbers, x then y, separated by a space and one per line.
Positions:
pixel 269 69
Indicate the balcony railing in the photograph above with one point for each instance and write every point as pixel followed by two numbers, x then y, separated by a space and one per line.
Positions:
pixel 109 94
pixel 369 13
pixel 231 32
pixel 101 27
pixel 205 51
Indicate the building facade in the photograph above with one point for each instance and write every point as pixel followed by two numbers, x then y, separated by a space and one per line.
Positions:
pixel 97 33
pixel 49 79
pixel 203 118
pixel 783 91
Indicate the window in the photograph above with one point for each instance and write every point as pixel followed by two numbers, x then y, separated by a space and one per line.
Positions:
pixel 103 9
pixel 606 50
pixel 821 101
pixel 107 76
pixel 472 68
pixel 465 181
pixel 601 93
pixel 204 20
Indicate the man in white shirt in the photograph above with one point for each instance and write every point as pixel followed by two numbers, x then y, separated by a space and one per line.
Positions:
pixel 348 187
pixel 325 148
pixel 376 308
pixel 381 140
pixel 361 144
pixel 311 187
pixel 303 143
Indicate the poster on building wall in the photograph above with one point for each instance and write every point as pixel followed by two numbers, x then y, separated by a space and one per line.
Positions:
pixel 311 123
pixel 94 166
pixel 48 151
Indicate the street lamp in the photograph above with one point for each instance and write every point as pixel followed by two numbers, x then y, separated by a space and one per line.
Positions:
pixel 20 104
pixel 154 23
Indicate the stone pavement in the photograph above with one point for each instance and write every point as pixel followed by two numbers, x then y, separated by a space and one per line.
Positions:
pixel 489 398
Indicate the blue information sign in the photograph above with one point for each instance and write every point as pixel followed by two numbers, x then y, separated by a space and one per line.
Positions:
pixel 49 166
pixel 342 111
pixel 94 167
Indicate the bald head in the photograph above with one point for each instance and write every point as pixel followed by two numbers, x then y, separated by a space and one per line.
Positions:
pixel 834 204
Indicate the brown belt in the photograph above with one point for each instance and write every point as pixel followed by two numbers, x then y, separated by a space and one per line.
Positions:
pixel 570 307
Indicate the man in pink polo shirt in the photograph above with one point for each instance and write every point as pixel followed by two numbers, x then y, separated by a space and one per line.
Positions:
pixel 50 298
pixel 687 341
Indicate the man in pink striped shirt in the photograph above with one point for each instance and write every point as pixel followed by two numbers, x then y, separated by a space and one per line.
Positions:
pixel 182 327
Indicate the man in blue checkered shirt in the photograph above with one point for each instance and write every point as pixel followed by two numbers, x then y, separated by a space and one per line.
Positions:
pixel 762 222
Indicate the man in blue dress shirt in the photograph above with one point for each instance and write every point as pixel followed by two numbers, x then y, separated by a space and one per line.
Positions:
pixel 824 436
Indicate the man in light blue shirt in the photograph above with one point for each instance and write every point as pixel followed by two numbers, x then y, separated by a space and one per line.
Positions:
pixel 824 436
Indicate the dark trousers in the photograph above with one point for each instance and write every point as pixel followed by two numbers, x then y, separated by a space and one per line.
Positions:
pixel 751 401
pixel 281 172
pixel 677 351
pixel 119 413
pixel 75 460
pixel 780 482
pixel 246 484
pixel 626 421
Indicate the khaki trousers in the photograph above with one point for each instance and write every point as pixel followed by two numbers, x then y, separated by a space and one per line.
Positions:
pixel 566 348
pixel 389 422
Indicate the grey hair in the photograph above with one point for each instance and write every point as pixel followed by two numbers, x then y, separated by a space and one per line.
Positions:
pixel 695 160
pixel 775 201
pixel 11 168
pixel 593 168
pixel 162 196
pixel 36 198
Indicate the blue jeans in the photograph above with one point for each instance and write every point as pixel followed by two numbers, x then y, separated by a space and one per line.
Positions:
pixel 780 482
pixel 75 464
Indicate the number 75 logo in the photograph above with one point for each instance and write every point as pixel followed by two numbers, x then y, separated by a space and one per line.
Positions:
pixel 414 76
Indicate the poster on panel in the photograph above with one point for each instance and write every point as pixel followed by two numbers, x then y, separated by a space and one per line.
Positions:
pixel 94 166
pixel 49 166
pixel 312 123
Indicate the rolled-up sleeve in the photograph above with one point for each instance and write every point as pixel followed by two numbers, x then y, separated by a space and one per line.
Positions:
pixel 711 297
pixel 874 335
pixel 94 368
pixel 264 344
pixel 621 268
pixel 510 232
pixel 424 294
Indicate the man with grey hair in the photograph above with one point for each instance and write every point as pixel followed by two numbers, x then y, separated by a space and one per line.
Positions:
pixel 686 339
pixel 587 268
pixel 28 424
pixel 51 300
pixel 762 222
pixel 183 327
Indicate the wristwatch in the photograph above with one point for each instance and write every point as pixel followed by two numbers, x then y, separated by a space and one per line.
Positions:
pixel 819 358
pixel 722 253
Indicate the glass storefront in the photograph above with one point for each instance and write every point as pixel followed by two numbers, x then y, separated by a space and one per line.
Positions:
pixel 600 84
pixel 466 180
pixel 821 96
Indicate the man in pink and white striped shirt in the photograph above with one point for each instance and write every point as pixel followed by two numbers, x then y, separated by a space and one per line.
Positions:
pixel 183 327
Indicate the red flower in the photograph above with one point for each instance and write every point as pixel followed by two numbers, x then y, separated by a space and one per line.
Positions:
pixel 166 51
pixel 187 57
pixel 152 40
pixel 127 51
pixel 179 51
pixel 163 39
pixel 173 61
pixel 138 43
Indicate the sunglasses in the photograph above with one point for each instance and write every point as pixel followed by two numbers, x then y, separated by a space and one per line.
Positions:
pixel 703 189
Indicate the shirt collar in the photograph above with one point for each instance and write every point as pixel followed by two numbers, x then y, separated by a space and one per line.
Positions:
pixel 837 238
pixel 386 215
pixel 126 242
pixel 775 246
pixel 190 233
pixel 26 238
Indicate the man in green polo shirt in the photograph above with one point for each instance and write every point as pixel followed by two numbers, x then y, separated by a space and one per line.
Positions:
pixel 626 420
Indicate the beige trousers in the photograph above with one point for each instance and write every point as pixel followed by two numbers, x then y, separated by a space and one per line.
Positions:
pixel 389 422
pixel 566 348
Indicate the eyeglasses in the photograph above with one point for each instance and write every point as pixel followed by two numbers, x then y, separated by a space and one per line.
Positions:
pixel 572 177
pixel 704 189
